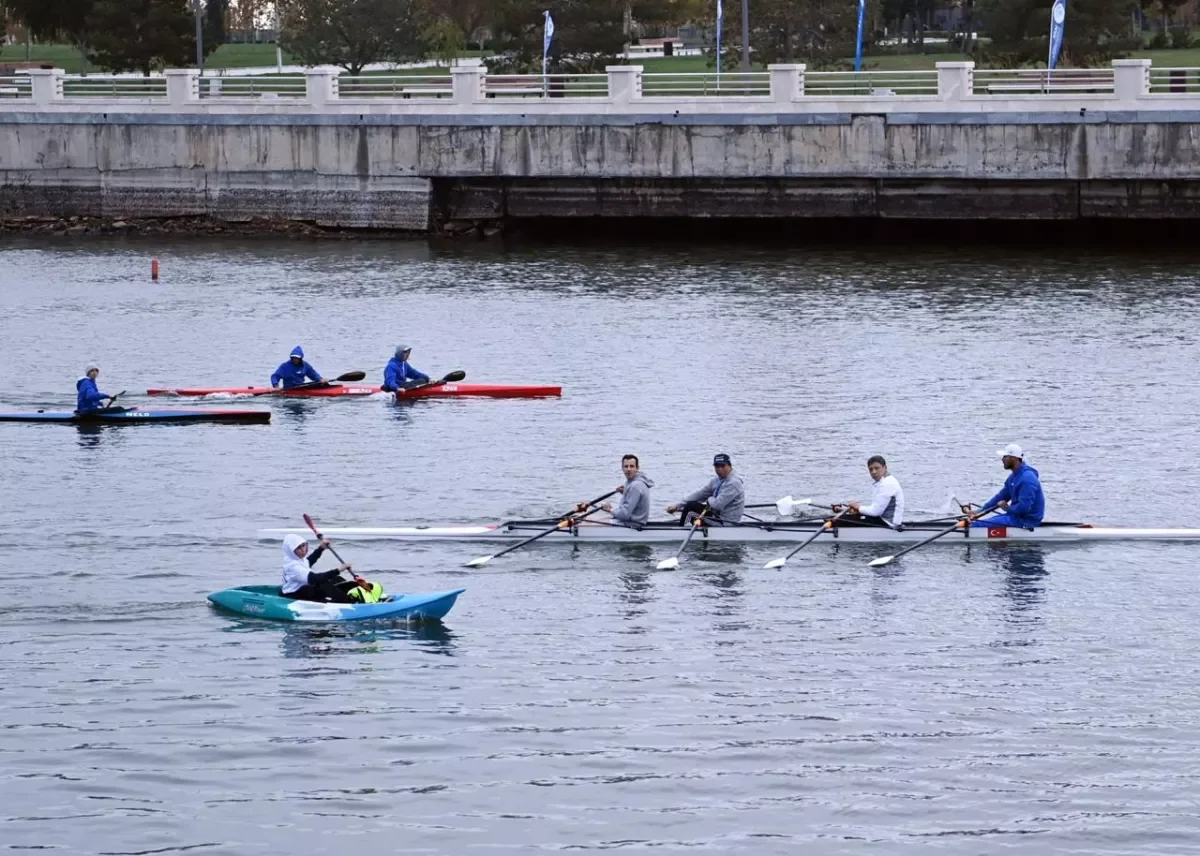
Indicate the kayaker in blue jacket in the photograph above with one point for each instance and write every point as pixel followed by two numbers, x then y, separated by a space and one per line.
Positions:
pixel 1021 499
pixel 301 583
pixel 88 395
pixel 399 373
pixel 295 371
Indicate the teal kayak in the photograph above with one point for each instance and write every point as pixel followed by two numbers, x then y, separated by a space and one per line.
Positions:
pixel 267 602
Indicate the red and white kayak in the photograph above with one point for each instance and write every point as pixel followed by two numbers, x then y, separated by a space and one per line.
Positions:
pixel 333 390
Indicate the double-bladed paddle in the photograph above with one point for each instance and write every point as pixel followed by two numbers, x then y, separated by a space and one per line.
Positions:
pixel 320 537
pixel 825 527
pixel 348 377
pixel 453 377
pixel 673 562
pixel 113 398
pixel 961 523
pixel 562 522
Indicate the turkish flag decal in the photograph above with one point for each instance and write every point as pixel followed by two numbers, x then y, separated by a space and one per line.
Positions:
pixel 997 531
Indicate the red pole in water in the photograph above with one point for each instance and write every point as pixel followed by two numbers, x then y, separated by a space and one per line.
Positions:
pixel 154 269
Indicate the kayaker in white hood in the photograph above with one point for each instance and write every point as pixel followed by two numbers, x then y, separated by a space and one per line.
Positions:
pixel 301 583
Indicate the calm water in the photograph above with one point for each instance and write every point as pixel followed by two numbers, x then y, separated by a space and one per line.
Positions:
pixel 968 701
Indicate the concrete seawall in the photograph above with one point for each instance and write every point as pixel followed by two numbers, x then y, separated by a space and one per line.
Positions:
pixel 426 168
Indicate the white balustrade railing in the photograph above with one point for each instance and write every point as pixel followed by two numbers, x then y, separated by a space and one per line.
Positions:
pixel 1126 84
pixel 396 86
pixel 1173 80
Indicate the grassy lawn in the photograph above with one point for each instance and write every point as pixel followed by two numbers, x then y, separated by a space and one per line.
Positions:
pixel 251 55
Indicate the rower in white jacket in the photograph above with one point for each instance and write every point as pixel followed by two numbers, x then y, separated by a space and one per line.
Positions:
pixel 887 505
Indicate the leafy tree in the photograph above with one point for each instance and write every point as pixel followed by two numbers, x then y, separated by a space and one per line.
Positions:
pixel 588 34
pixel 820 33
pixel 215 12
pixel 1096 31
pixel 353 33
pixel 140 35
pixel 469 15
pixel 53 19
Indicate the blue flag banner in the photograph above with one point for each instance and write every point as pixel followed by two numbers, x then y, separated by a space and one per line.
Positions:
pixel 547 36
pixel 1058 17
pixel 862 17
pixel 720 21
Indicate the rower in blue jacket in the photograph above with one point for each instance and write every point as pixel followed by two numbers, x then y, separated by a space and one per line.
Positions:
pixel 295 371
pixel 398 374
pixel 88 395
pixel 1021 498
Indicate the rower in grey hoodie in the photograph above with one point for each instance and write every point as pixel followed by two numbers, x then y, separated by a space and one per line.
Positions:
pixel 634 507
pixel 725 495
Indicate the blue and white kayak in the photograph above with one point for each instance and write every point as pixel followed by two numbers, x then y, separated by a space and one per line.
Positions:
pixel 267 602
pixel 140 417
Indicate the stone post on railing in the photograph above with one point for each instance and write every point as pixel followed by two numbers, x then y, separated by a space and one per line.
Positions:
pixel 467 79
pixel 46 84
pixel 320 86
pixel 1131 78
pixel 183 86
pixel 624 83
pixel 955 80
pixel 787 81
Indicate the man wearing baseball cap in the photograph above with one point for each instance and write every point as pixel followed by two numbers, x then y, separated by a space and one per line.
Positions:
pixel 1021 498
pixel 724 496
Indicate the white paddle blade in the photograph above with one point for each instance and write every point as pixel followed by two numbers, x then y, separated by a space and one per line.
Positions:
pixel 775 563
pixel 783 506
pixel 668 564
pixel 881 561
pixel 479 563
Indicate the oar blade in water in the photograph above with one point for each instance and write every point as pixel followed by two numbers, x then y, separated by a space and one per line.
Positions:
pixel 881 561
pixel 668 564
pixel 480 562
pixel 775 563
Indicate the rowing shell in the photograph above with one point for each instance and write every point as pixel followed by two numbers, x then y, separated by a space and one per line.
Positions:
pixel 777 533
pixel 333 390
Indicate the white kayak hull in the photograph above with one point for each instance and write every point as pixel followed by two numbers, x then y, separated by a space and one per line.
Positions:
pixel 776 533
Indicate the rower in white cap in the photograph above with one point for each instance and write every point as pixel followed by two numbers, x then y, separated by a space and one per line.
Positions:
pixel 88 395
pixel 1021 498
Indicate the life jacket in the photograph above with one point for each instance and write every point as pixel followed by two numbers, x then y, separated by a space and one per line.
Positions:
pixel 372 593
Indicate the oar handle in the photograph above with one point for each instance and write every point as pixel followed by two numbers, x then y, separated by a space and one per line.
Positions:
pixel 586 505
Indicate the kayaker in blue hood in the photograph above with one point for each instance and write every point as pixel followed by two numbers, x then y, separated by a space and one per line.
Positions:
pixel 399 373
pixel 1021 498
pixel 301 583
pixel 295 371
pixel 88 395
pixel 634 507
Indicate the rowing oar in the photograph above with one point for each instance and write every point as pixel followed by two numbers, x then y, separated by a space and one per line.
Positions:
pixel 321 537
pixel 348 377
pixel 962 522
pixel 453 377
pixel 673 562
pixel 561 523
pixel 825 527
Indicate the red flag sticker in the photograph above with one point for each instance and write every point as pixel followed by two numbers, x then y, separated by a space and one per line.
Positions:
pixel 997 531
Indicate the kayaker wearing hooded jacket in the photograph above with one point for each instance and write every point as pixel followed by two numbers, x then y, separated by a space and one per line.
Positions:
pixel 1021 498
pixel 295 371
pixel 398 372
pixel 725 496
pixel 88 395
pixel 634 507
pixel 301 583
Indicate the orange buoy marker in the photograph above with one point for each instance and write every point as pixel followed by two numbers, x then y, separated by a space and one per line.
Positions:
pixel 154 269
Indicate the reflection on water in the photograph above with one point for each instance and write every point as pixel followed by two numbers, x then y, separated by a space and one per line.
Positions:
pixel 1025 578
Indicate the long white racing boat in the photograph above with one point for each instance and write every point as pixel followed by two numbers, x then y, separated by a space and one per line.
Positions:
pixel 782 532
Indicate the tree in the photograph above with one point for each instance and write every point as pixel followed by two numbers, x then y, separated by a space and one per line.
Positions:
pixel 53 19
pixel 214 22
pixel 353 33
pixel 1096 31
pixel 141 35
pixel 469 15
pixel 588 34
pixel 817 32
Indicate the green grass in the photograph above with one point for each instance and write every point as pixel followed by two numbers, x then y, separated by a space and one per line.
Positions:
pixel 251 55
